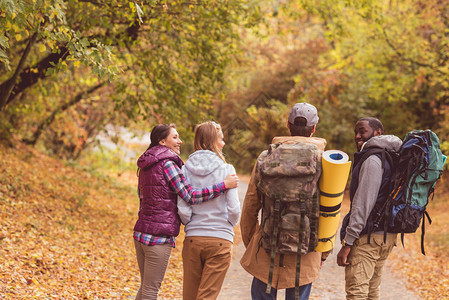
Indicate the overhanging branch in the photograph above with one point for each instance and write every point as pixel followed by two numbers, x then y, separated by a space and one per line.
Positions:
pixel 47 122
pixel 8 86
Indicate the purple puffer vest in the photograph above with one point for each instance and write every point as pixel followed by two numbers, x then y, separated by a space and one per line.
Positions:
pixel 158 214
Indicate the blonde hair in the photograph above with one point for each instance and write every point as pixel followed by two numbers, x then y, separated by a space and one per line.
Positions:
pixel 206 137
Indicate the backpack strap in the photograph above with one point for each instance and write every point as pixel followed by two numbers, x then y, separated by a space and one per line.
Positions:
pixel 303 209
pixel 264 218
pixel 373 151
pixel 369 228
pixel 281 265
pixel 423 230
pixel 384 212
pixel 385 156
pixel 406 213
pixel 314 223
pixel 327 211
pixel 277 207
pixel 332 195
pixel 387 211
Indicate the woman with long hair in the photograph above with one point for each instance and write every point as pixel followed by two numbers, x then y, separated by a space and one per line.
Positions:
pixel 209 226
pixel 160 182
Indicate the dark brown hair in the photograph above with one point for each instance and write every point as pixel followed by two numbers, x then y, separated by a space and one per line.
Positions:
pixel 300 128
pixel 160 132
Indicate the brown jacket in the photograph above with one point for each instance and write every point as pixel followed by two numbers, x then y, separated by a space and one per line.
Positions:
pixel 283 277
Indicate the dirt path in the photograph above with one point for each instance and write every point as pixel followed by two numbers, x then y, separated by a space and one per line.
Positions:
pixel 330 284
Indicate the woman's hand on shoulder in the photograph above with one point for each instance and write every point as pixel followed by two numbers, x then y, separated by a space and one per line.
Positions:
pixel 231 181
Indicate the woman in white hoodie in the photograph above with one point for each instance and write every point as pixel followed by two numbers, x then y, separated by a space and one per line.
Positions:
pixel 209 226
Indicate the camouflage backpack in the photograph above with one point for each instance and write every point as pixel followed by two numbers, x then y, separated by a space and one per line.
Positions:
pixel 287 177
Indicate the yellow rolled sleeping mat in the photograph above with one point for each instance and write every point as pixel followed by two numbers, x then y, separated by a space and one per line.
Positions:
pixel 334 176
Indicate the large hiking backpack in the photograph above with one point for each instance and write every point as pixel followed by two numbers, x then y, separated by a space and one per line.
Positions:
pixel 286 178
pixel 415 171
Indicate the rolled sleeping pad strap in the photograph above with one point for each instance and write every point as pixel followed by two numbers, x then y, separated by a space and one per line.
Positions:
pixel 328 239
pixel 332 195
pixel 330 209
pixel 334 176
pixel 327 229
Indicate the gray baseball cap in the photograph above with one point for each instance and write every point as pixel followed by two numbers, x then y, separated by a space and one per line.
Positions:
pixel 305 110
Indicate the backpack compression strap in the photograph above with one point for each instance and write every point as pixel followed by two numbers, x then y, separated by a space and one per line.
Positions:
pixel 277 205
pixel 264 219
pixel 327 211
pixel 314 222
pixel 426 214
pixel 298 255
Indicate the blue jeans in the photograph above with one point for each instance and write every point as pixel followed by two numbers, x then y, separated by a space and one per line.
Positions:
pixel 258 289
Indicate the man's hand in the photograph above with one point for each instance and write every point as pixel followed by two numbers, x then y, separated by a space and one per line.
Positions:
pixel 324 256
pixel 322 263
pixel 342 256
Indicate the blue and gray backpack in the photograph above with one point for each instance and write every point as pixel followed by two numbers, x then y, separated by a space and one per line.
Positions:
pixel 415 170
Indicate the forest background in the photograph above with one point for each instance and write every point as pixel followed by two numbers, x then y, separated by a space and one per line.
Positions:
pixel 72 69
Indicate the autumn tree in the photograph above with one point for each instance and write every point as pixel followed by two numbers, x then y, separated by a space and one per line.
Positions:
pixel 394 56
pixel 164 60
pixel 351 59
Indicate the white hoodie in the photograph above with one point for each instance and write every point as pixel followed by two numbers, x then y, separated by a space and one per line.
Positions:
pixel 216 217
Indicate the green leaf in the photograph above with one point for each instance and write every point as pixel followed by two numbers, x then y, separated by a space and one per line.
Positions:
pixel 4 42
pixel 139 12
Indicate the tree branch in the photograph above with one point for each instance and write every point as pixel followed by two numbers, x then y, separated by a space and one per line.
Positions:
pixel 30 75
pixel 11 88
pixel 7 87
pixel 47 122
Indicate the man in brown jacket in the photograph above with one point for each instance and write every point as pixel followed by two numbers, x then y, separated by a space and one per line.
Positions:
pixel 301 123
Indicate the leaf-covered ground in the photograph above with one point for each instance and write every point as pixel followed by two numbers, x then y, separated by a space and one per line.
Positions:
pixel 66 233
pixel 429 274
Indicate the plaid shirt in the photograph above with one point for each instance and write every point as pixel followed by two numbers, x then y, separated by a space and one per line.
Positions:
pixel 151 240
pixel 177 181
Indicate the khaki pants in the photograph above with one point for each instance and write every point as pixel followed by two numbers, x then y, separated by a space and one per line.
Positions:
pixel 153 262
pixel 206 261
pixel 364 273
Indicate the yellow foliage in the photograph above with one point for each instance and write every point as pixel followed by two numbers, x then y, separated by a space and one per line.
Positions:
pixel 42 48
pixel 67 234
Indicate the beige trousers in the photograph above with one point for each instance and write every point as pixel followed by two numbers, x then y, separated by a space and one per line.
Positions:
pixel 205 261
pixel 364 273
pixel 153 262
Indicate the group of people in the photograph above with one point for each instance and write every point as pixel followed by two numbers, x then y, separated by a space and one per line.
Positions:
pixel 202 195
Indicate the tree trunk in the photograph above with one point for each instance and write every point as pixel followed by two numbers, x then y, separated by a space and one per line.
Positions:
pixel 7 87
pixel 10 88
